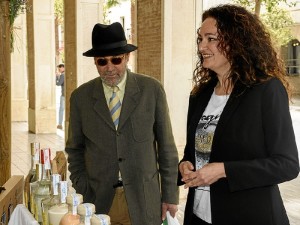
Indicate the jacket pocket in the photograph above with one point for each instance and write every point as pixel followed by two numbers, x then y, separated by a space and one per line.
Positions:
pixel 142 127
pixel 82 186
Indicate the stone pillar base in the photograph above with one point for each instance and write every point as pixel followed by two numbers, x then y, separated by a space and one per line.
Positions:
pixel 42 121
pixel 19 110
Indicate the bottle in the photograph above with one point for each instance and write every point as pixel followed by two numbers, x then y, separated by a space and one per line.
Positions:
pixel 33 186
pixel 53 199
pixel 43 189
pixel 56 212
pixel 86 211
pixel 31 176
pixel 71 217
pixel 100 219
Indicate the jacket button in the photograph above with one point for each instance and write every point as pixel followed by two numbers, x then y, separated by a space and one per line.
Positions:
pixel 120 159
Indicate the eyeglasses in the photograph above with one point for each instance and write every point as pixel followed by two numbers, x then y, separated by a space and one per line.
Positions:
pixel 115 60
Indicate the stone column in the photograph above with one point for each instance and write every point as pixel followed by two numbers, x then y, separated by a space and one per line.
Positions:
pixel 166 40
pixel 80 18
pixel 181 20
pixel 19 96
pixel 41 67
pixel 5 94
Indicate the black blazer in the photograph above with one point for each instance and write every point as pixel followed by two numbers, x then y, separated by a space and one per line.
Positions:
pixel 255 140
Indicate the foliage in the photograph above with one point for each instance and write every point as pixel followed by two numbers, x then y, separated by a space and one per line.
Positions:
pixel 16 7
pixel 279 22
pixel 59 10
pixel 111 3
pixel 276 19
pixel 268 4
pixel 108 4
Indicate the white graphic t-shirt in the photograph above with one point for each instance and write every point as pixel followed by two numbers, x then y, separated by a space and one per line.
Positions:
pixel 203 142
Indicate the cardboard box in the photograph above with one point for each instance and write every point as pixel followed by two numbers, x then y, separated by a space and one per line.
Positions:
pixel 59 165
pixel 11 197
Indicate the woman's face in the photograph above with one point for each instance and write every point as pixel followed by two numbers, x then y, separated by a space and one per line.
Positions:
pixel 213 58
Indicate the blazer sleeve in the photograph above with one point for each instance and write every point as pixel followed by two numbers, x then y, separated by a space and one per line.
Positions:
pixel 75 148
pixel 166 149
pixel 187 152
pixel 280 161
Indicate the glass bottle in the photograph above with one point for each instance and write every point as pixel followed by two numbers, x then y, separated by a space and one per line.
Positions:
pixel 100 219
pixel 53 199
pixel 31 176
pixel 43 189
pixel 56 212
pixel 86 211
pixel 71 217
pixel 33 186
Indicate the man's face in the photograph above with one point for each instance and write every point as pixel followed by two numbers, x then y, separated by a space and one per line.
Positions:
pixel 112 68
pixel 61 69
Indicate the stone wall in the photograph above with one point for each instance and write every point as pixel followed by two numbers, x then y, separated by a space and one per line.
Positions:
pixel 149 28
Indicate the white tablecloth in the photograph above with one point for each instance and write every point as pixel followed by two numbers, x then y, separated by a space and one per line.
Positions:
pixel 22 216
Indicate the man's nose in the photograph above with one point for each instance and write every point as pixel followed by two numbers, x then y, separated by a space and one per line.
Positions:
pixel 110 66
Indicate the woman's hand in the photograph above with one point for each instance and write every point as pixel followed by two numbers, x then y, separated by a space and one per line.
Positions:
pixel 185 168
pixel 205 176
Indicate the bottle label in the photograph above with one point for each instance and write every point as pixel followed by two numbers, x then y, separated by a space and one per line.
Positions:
pixel 63 191
pixel 87 220
pixel 46 158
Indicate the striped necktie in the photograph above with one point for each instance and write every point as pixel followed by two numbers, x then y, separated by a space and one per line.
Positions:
pixel 115 106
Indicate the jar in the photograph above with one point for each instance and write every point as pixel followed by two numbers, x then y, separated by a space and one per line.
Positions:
pixel 86 211
pixel 71 217
pixel 100 219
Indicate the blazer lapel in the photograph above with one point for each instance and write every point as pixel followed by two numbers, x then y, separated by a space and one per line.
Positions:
pixel 131 98
pixel 100 105
pixel 233 102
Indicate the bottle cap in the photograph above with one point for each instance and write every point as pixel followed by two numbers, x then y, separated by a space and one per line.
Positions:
pixel 74 199
pixel 86 209
pixel 100 219
pixel 35 148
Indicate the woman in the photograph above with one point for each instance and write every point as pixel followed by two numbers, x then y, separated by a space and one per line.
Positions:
pixel 240 139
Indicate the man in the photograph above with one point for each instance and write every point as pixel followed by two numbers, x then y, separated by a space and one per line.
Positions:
pixel 60 80
pixel 125 163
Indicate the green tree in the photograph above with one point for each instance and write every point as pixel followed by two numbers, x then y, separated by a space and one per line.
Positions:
pixel 275 17
pixel 59 21
pixel 107 5
pixel 59 11
pixel 16 7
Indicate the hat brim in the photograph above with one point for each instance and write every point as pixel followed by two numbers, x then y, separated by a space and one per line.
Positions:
pixel 109 52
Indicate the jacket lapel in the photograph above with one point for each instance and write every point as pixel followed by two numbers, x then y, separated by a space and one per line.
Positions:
pixel 233 102
pixel 100 105
pixel 131 98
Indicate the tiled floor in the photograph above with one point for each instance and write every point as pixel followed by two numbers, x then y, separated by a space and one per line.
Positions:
pixel 21 140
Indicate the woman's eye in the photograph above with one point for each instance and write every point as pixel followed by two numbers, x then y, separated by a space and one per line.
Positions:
pixel 212 39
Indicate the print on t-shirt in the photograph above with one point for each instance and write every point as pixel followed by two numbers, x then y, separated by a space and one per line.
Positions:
pixel 204 137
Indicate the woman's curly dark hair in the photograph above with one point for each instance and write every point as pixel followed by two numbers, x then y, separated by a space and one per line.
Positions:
pixel 247 46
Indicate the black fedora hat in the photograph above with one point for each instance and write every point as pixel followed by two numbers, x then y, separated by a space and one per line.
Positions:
pixel 109 40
